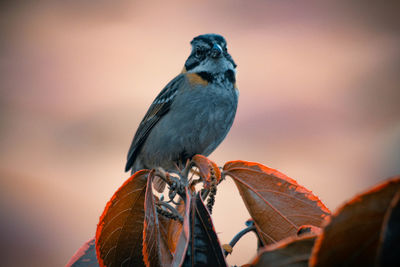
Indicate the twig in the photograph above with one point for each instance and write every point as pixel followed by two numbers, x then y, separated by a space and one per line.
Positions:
pixel 204 193
pixel 223 176
pixel 185 171
pixel 250 227
pixel 173 214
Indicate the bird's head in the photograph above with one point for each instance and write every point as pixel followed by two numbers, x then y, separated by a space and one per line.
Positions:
pixel 210 55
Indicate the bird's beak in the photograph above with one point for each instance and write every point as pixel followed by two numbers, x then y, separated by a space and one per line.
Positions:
pixel 216 51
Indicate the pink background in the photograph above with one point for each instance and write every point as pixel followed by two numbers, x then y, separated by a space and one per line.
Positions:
pixel 319 101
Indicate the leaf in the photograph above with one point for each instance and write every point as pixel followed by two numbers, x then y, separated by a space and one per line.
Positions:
pixel 119 234
pixel 204 247
pixel 198 245
pixel 84 256
pixel 277 204
pixel 172 228
pixel 155 249
pixel 309 229
pixel 183 241
pixel 206 166
pixel 351 237
pixel 293 251
pixel 389 244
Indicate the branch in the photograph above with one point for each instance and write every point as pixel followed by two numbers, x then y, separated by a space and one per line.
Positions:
pixel 250 227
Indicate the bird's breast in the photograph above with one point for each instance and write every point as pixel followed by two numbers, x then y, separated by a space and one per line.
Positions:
pixel 197 122
pixel 205 115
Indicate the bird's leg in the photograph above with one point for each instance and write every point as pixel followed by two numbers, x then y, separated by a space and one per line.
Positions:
pixel 176 185
pixel 186 170
pixel 177 167
pixel 180 184
pixel 173 189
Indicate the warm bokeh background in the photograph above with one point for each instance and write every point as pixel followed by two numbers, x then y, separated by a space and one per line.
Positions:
pixel 320 101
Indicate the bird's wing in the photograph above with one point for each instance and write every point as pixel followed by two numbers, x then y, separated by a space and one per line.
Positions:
pixel 158 108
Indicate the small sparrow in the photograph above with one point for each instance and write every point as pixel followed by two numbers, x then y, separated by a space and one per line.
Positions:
pixel 192 114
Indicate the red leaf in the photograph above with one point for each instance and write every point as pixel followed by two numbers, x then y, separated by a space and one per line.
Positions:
pixel 278 205
pixel 183 241
pixel 293 251
pixel 119 233
pixel 351 237
pixel 172 228
pixel 206 166
pixel 309 229
pixel 155 248
pixel 85 256
pixel 389 244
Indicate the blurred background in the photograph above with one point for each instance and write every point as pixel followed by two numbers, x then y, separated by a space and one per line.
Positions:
pixel 319 101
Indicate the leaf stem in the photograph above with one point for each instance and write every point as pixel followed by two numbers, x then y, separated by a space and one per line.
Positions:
pixel 251 227
pixel 204 193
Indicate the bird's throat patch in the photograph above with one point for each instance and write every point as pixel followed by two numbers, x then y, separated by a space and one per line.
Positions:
pixel 196 79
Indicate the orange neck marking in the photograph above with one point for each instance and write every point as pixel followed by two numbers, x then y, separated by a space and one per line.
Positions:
pixel 195 79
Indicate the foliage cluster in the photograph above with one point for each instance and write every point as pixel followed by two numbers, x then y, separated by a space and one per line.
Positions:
pixel 293 227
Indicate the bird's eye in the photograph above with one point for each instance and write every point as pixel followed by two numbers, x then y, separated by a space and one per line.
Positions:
pixel 199 53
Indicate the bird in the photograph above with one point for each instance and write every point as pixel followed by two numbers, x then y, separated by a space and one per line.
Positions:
pixel 192 114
